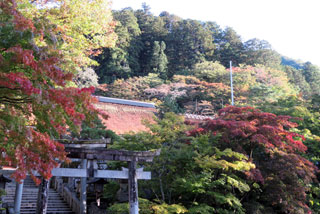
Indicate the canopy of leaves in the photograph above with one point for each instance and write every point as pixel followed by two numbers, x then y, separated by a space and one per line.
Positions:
pixel 39 49
pixel 191 169
pixel 210 71
pixel 121 61
pixel 275 150
pixel 260 52
pixel 77 29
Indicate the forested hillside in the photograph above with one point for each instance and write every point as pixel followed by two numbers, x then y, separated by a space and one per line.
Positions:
pixel 244 161
pixel 173 59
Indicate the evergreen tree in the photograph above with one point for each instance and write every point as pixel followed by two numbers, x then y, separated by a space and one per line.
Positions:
pixel 297 79
pixel 229 47
pixel 152 29
pixel 188 43
pixel 169 20
pixel 159 60
pixel 122 61
pixel 260 52
pixel 312 75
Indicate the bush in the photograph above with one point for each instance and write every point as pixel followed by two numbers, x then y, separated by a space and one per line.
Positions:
pixel 147 207
pixel 201 209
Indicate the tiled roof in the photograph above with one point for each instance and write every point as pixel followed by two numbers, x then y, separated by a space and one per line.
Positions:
pixel 125 102
pixel 125 115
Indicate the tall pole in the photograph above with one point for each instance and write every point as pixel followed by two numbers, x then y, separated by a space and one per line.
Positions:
pixel 232 103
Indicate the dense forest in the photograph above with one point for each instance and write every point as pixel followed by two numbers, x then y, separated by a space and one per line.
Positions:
pixel 259 156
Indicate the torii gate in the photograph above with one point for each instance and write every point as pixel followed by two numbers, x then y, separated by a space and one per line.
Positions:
pixel 89 156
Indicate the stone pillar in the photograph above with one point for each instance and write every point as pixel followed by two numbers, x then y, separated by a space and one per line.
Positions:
pixel 83 189
pixel 133 188
pixel 18 197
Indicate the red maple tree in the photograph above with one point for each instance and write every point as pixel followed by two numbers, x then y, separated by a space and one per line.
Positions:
pixel 36 104
pixel 275 150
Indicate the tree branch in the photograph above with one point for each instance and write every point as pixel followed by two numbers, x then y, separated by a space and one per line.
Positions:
pixel 5 99
pixel 13 89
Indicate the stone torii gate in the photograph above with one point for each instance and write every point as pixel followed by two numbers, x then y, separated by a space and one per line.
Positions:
pixel 89 157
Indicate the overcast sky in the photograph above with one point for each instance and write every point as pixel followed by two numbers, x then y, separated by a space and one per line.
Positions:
pixel 290 26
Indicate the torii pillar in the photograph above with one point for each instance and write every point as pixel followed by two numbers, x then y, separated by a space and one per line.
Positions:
pixel 133 188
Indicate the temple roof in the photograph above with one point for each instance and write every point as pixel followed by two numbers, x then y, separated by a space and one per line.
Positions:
pixel 126 115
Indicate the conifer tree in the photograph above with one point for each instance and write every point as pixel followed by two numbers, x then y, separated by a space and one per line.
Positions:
pixel 159 60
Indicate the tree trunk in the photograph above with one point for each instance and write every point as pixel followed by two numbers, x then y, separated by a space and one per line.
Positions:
pixel 43 197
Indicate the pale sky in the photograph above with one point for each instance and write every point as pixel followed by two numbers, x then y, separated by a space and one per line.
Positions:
pixel 292 27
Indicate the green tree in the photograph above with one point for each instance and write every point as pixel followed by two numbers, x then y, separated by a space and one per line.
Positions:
pixel 78 29
pixel 153 29
pixel 297 78
pixel 210 72
pixel 187 44
pixel 122 61
pixel 191 170
pixel 270 85
pixel 215 30
pixel 159 60
pixel 229 47
pixel 312 76
pixel 260 52
pixel 169 20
